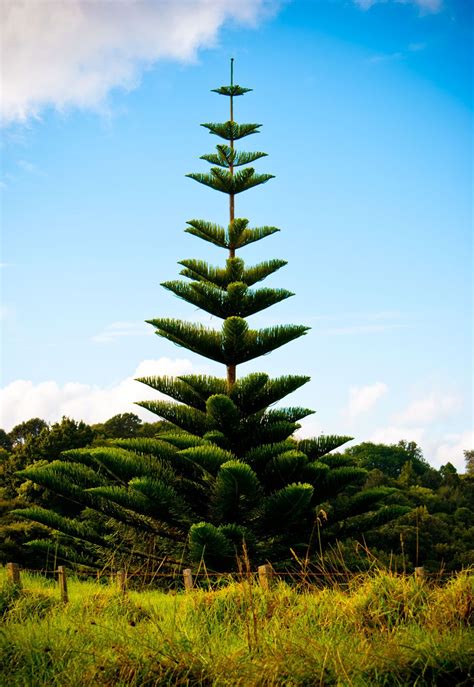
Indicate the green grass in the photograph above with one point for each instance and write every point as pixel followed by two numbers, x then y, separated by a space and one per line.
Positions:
pixel 381 630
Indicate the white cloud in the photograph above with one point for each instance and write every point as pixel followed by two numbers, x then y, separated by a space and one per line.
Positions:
pixel 118 330
pixel 394 434
pixel 23 399
pixel 433 407
pixel 363 398
pixel 425 6
pixel 311 427
pixel 398 55
pixel 437 450
pixel 73 52
pixel 452 448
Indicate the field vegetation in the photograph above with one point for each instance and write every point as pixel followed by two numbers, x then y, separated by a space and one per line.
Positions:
pixel 377 628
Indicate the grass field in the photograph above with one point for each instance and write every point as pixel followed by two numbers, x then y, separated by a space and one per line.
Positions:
pixel 381 629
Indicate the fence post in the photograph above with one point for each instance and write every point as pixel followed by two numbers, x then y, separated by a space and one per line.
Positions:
pixel 420 573
pixel 62 583
pixel 188 580
pixel 13 572
pixel 122 581
pixel 265 573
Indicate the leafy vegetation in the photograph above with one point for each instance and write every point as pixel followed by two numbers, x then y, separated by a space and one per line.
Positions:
pixel 381 629
pixel 436 529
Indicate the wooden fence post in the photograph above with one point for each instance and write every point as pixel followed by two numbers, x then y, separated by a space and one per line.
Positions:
pixel 62 583
pixel 122 581
pixel 13 573
pixel 188 580
pixel 265 573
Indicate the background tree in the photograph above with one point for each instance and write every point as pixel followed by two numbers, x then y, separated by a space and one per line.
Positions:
pixel 469 458
pixel 27 430
pixel 35 444
pixel 5 441
pixel 124 425
pixel 389 459
pixel 437 529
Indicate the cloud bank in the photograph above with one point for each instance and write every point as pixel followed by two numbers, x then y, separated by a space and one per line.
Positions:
pixel 428 409
pixel 363 398
pixel 22 399
pixel 73 52
pixel 448 447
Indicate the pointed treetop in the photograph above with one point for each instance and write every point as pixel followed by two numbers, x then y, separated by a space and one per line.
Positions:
pixel 232 90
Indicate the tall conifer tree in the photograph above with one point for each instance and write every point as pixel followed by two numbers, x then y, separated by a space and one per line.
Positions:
pixel 227 292
pixel 230 470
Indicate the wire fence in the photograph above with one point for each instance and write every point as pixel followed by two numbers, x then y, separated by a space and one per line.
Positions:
pixel 189 580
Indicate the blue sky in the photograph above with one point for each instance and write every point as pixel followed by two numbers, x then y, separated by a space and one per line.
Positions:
pixel 367 113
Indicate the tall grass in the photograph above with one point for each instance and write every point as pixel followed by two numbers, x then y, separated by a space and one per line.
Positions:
pixel 381 629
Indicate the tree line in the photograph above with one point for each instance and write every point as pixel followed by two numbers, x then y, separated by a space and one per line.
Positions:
pixel 436 528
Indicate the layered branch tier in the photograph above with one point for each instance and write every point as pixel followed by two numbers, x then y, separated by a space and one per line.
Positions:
pixel 227 182
pixel 237 300
pixel 250 394
pixel 234 271
pixel 230 130
pixel 237 234
pixel 229 157
pixel 235 343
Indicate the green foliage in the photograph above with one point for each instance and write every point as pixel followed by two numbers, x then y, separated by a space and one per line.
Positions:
pixel 379 629
pixel 469 458
pixel 237 235
pixel 236 491
pixel 229 157
pixel 227 182
pixel 251 399
pixel 27 430
pixel 187 418
pixel 6 442
pixel 122 425
pixel 208 458
pixel 177 388
pixel 54 521
pixel 287 506
pixel 235 300
pixel 209 542
pixel 233 345
pixel 320 446
pixel 231 131
pixel 233 90
pixel 389 459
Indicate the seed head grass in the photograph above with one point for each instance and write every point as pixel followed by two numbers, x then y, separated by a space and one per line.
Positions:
pixel 380 629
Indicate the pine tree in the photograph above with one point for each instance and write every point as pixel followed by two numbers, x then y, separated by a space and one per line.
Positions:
pixel 230 470
pixel 232 413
